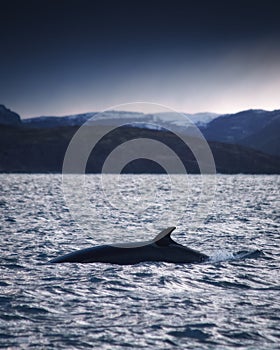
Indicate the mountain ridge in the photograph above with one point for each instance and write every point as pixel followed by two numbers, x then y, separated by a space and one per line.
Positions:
pixel 251 128
pixel 25 148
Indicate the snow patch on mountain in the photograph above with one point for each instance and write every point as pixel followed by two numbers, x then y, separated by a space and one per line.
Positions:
pixel 155 121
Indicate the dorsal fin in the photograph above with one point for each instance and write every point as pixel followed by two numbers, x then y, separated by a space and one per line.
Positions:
pixel 163 238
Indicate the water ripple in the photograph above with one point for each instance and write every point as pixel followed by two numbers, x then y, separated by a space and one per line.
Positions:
pixel 227 303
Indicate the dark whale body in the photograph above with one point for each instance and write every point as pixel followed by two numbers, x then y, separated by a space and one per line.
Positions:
pixel 161 248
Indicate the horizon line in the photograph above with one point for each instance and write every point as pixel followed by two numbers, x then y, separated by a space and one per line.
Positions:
pixel 61 115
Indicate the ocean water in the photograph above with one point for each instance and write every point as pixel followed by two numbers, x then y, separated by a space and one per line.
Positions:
pixel 226 303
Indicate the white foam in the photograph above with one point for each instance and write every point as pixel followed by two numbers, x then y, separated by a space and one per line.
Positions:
pixel 221 255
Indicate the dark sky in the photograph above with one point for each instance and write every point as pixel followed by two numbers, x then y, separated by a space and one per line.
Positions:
pixel 62 57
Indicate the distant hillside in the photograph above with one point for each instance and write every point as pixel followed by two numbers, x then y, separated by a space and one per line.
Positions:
pixel 9 118
pixel 178 122
pixel 25 148
pixel 42 150
pixel 256 129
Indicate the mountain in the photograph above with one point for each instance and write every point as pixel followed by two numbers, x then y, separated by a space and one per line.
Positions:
pixel 9 118
pixel 256 129
pixel 122 117
pixel 27 150
pixel 39 144
pixel 266 140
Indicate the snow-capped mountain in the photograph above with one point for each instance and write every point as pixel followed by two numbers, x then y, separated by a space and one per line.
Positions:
pixel 39 144
pixel 53 122
pixel 257 129
pixel 179 122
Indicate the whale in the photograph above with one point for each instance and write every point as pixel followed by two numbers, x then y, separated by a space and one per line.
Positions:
pixel 160 249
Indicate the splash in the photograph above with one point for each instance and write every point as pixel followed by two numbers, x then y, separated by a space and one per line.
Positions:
pixel 221 255
pixel 225 255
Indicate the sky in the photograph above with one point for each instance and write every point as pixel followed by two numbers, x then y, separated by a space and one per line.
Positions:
pixel 60 57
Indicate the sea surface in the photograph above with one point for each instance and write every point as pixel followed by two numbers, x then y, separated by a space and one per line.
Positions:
pixel 228 302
